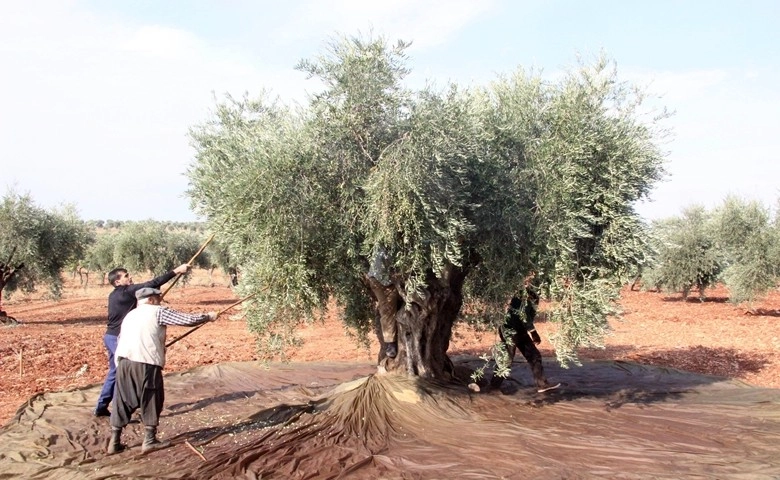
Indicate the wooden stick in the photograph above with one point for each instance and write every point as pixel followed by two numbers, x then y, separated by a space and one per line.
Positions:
pixel 236 303
pixel 187 442
pixel 204 323
pixel 200 250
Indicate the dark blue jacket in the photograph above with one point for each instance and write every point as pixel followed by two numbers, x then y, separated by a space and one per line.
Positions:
pixel 122 300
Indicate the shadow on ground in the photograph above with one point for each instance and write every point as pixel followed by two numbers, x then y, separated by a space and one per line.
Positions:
pixel 89 320
pixel 696 299
pixel 764 312
pixel 726 362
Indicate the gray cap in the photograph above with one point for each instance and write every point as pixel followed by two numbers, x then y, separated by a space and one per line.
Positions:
pixel 146 292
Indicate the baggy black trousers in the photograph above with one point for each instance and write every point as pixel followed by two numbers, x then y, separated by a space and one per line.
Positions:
pixel 138 385
pixel 523 342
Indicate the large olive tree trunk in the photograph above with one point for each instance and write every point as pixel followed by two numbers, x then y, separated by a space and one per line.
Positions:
pixel 424 321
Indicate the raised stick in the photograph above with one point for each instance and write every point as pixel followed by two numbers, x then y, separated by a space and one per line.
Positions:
pixel 200 250
pixel 204 323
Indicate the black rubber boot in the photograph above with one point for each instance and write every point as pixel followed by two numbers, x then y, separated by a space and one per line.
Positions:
pixel 115 445
pixel 150 441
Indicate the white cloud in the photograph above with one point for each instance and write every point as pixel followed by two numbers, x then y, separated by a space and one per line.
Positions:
pixel 162 42
pixel 428 23
pixel 97 112
pixel 726 138
pixel 675 86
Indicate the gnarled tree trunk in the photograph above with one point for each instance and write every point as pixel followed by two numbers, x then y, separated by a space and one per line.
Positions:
pixel 423 320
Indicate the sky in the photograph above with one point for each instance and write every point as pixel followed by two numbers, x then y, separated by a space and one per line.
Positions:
pixel 97 96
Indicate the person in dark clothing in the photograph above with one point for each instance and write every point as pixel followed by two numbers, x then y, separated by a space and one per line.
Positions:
pixel 520 320
pixel 233 273
pixel 120 301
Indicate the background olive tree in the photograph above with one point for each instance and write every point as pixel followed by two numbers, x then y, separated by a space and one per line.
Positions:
pixel 688 257
pixel 406 205
pixel 737 244
pixel 37 244
pixel 99 257
pixel 217 255
pixel 149 246
pixel 749 241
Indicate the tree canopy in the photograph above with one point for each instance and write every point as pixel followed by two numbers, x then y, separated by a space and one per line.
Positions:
pixel 436 202
pixel 749 242
pixel 37 243
pixel 149 246
pixel 737 243
pixel 687 254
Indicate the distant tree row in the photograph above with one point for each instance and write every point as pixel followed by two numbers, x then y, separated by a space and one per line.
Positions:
pixel 737 244
pixel 168 225
pixel 151 246
pixel 38 245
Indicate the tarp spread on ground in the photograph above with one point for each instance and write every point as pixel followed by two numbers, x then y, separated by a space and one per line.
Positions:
pixel 336 420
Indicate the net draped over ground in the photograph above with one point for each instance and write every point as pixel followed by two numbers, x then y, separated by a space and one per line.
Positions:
pixel 332 420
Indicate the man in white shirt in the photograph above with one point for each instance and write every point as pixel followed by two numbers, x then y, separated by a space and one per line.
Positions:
pixel 140 357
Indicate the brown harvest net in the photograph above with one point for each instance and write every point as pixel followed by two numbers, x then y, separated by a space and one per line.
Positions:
pixel 337 420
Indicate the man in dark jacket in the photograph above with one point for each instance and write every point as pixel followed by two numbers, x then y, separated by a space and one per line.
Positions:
pixel 120 301
pixel 520 320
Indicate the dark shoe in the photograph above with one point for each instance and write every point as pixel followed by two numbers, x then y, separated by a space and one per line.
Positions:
pixel 547 388
pixel 391 350
pixel 115 448
pixel 151 443
pixel 114 444
pixel 102 412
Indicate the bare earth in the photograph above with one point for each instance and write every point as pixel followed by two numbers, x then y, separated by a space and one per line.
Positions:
pixel 58 344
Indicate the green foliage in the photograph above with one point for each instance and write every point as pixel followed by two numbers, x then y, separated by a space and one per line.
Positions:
pixel 749 242
pixel 148 246
pixel 688 255
pixel 738 244
pixel 45 241
pixel 524 175
pixel 142 247
pixel 576 156
pixel 218 254
pixel 100 255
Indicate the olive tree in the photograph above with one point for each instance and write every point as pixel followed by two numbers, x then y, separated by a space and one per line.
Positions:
pixel 688 254
pixel 419 207
pixel 148 246
pixel 749 241
pixel 37 244
pixel 99 257
pixel 217 255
